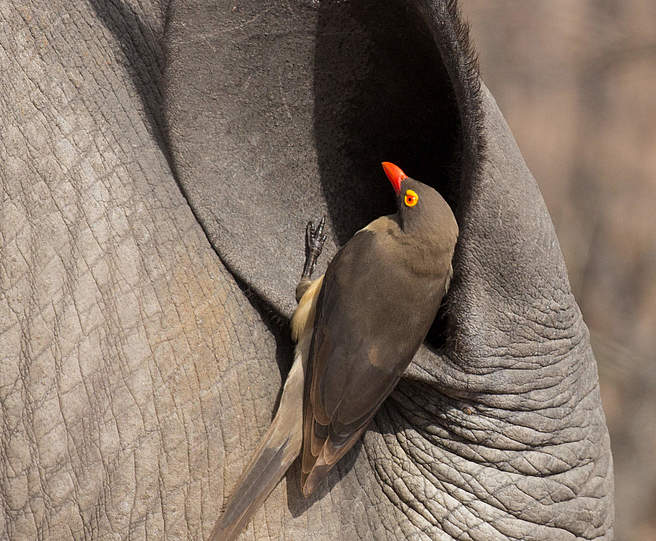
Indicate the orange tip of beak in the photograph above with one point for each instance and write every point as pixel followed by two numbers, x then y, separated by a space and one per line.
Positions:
pixel 395 175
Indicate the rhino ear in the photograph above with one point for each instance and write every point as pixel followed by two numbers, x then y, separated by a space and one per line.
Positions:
pixel 278 114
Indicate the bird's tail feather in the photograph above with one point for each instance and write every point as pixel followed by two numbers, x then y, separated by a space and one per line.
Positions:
pixel 276 452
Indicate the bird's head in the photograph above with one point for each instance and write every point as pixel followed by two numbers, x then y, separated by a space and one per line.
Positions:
pixel 421 209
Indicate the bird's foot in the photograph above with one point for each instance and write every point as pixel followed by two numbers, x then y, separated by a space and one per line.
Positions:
pixel 314 241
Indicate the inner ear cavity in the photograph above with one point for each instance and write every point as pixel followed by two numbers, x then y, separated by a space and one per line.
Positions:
pixel 381 93
pixel 279 113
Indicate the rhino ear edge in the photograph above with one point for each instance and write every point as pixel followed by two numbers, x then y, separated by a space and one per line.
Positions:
pixel 453 39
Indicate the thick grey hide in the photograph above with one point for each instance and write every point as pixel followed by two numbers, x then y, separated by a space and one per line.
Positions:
pixel 137 375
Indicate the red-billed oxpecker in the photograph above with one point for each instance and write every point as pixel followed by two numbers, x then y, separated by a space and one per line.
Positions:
pixel 356 329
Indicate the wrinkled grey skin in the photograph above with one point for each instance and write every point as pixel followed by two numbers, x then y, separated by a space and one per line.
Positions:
pixel 137 375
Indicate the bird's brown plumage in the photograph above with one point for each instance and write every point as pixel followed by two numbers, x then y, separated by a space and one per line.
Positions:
pixel 357 328
pixel 380 295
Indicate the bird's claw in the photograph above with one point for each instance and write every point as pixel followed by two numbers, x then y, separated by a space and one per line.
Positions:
pixel 314 236
pixel 314 241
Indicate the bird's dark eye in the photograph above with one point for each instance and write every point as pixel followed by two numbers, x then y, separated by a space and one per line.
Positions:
pixel 411 198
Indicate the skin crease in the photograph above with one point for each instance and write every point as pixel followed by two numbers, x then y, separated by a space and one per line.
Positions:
pixel 160 161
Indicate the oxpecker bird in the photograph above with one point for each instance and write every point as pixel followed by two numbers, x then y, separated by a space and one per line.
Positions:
pixel 356 329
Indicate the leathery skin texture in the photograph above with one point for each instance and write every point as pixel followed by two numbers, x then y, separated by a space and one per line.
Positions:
pixel 159 162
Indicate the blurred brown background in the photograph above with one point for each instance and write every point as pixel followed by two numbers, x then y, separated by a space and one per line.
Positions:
pixel 576 81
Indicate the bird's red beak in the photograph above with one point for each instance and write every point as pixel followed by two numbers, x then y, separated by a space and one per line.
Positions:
pixel 395 175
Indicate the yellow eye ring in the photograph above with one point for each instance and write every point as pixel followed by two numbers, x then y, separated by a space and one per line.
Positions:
pixel 411 198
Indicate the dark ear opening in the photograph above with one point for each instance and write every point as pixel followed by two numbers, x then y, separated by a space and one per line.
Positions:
pixel 381 93
pixel 399 84
pixel 281 114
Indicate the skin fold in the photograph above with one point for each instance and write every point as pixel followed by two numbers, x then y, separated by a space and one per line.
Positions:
pixel 159 161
